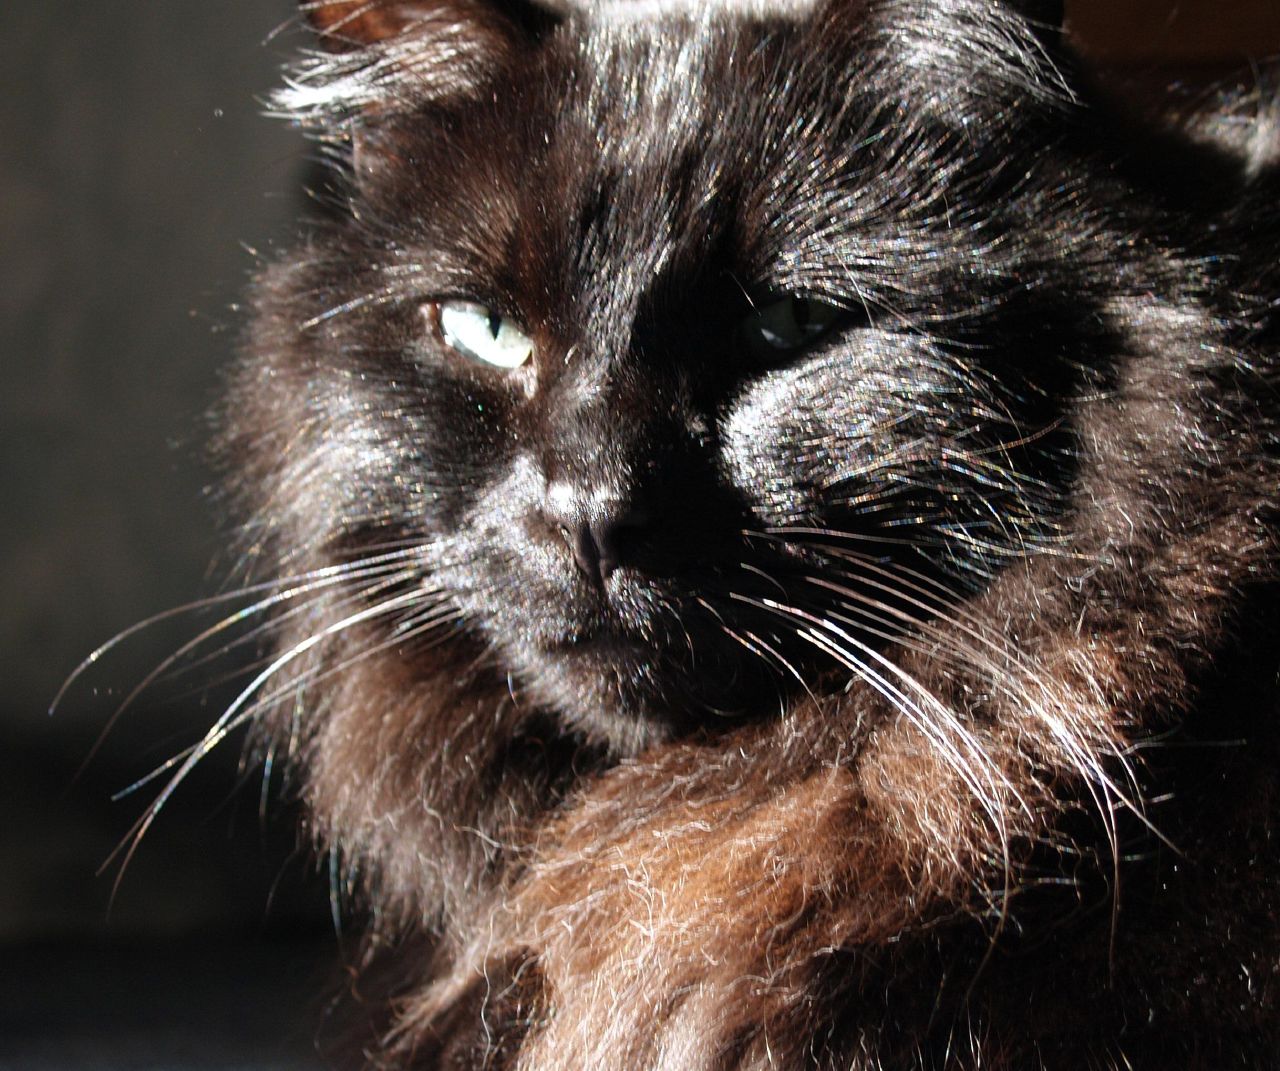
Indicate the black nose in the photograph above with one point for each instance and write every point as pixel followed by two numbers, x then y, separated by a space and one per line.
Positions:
pixel 599 533
pixel 595 549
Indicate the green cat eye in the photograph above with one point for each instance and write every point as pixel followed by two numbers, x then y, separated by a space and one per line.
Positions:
pixel 789 323
pixel 480 333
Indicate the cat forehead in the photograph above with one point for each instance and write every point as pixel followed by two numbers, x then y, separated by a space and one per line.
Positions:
pixel 656 76
pixel 956 54
pixel 623 11
pixel 438 57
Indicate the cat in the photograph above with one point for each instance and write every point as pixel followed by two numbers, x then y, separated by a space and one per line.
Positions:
pixel 773 517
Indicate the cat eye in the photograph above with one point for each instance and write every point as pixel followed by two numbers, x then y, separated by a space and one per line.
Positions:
pixel 789 323
pixel 478 332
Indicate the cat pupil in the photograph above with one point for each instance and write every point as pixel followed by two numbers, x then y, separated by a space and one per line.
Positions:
pixel 479 332
pixel 788 323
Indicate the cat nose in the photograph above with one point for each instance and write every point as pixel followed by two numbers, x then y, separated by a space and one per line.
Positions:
pixel 597 530
pixel 595 549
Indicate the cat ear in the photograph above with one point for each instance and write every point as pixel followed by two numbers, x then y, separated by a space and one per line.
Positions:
pixel 379 55
pixel 344 25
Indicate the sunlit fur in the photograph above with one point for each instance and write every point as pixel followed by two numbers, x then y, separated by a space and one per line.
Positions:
pixel 927 719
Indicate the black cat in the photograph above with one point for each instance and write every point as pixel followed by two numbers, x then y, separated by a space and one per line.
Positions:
pixel 775 507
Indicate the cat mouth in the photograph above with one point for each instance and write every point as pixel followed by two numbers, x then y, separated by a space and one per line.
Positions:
pixel 645 657
pixel 599 644
pixel 618 684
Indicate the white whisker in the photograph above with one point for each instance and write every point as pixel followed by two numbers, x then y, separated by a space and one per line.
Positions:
pixel 228 719
pixel 216 600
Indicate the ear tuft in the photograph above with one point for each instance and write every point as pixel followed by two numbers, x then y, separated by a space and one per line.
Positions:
pixel 382 55
pixel 344 25
pixel 347 24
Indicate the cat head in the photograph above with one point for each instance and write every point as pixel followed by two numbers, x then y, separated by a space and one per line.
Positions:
pixel 659 332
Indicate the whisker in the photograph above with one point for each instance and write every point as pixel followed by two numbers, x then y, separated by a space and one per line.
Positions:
pixel 226 623
pixel 218 731
pixel 360 596
pixel 758 646
pixel 1032 693
pixel 307 680
pixel 200 604
pixel 264 701
pixel 834 640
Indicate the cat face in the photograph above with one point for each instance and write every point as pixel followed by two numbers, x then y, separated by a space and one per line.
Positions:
pixel 656 339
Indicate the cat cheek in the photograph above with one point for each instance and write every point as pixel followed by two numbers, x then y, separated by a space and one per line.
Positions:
pixel 763 436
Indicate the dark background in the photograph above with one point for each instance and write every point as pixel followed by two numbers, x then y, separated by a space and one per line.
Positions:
pixel 135 169
pixel 136 176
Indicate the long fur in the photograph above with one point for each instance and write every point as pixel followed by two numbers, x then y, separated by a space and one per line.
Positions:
pixel 952 744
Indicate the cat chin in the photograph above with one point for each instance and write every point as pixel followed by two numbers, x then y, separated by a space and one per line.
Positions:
pixel 601 698
pixel 625 697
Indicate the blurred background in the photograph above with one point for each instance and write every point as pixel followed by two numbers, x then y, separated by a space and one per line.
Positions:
pixel 137 175
pixel 137 180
